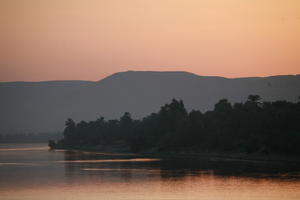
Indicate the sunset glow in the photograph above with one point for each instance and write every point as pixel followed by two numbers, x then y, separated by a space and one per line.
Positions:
pixel 90 39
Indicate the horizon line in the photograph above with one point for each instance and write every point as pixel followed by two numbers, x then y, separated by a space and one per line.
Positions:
pixel 158 71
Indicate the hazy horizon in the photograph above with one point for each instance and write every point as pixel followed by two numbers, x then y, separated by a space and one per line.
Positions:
pixel 158 71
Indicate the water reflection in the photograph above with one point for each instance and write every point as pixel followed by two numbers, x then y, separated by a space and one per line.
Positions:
pixel 36 173
pixel 100 164
pixel 108 167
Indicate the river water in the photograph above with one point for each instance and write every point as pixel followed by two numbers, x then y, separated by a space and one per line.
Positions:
pixel 32 172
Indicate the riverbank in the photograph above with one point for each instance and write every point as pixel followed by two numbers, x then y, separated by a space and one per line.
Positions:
pixel 230 156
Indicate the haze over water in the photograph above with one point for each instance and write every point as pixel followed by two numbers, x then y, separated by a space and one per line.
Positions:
pixel 31 171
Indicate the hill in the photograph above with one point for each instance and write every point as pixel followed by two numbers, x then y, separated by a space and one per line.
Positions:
pixel 44 106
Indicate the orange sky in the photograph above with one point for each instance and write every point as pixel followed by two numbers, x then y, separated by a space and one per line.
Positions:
pixel 90 39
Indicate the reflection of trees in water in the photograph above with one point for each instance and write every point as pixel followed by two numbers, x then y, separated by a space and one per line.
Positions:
pixel 116 168
pixel 105 167
pixel 178 168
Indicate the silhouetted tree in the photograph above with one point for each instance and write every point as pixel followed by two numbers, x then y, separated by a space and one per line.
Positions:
pixel 249 127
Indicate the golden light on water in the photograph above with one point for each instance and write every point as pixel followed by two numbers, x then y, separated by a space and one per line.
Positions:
pixel 207 187
pixel 43 174
pixel 25 149
pixel 111 160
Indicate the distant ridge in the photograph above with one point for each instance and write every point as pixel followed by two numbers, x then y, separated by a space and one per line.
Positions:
pixel 44 106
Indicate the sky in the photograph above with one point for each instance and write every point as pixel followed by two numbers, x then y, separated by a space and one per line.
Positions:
pixel 90 39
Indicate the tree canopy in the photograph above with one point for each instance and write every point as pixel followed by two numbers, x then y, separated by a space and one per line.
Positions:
pixel 250 127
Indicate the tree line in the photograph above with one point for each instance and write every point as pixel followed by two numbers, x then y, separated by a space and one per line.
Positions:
pixel 254 126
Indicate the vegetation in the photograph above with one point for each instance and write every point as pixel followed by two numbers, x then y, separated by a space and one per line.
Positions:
pixel 250 127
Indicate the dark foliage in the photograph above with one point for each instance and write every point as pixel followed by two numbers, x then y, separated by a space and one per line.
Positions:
pixel 250 127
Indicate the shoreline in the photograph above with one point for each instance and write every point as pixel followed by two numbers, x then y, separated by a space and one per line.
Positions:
pixel 242 157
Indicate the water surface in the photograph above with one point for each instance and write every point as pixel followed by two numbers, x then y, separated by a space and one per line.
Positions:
pixel 32 172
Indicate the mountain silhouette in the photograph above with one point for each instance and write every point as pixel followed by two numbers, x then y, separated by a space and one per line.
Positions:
pixel 44 106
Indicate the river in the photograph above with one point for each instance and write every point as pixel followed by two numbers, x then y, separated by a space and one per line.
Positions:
pixel 33 172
